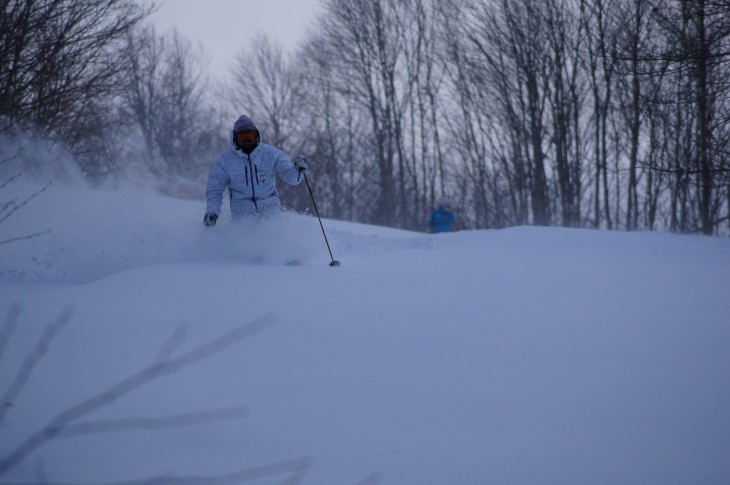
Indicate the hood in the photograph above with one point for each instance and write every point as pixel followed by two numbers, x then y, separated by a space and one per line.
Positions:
pixel 244 123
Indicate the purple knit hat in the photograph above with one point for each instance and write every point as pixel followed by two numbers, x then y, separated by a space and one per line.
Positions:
pixel 243 123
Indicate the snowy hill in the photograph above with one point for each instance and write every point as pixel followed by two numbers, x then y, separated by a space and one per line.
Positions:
pixel 526 355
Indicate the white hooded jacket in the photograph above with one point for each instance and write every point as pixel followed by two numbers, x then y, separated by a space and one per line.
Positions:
pixel 250 179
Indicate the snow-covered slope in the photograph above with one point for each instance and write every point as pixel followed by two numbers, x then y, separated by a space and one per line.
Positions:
pixel 526 355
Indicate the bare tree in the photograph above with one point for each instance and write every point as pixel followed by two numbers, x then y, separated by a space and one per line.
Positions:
pixel 59 61
pixel 262 86
pixel 332 136
pixel 564 35
pixel 600 67
pixel 633 47
pixel 367 42
pixel 507 71
pixel 470 123
pixel 692 60
pixel 165 94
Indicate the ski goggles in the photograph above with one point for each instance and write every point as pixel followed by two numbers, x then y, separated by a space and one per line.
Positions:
pixel 247 136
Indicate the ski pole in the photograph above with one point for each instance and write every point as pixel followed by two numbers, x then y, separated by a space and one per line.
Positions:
pixel 334 263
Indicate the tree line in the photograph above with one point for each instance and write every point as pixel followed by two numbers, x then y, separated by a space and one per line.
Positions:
pixel 606 114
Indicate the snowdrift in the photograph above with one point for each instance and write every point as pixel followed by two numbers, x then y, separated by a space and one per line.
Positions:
pixel 526 355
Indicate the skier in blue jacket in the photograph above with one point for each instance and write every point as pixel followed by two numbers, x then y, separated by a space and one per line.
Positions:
pixel 442 218
pixel 248 169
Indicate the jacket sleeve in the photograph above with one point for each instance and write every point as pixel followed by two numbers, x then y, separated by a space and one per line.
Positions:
pixel 217 182
pixel 286 170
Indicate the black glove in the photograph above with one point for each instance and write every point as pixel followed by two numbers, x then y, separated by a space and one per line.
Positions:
pixel 210 219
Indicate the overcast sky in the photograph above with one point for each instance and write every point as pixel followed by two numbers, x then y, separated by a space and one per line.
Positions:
pixel 224 26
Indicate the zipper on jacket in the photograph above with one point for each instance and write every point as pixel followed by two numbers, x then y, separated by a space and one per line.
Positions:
pixel 246 176
pixel 253 185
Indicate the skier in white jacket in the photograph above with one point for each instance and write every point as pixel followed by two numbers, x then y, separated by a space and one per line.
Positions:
pixel 248 169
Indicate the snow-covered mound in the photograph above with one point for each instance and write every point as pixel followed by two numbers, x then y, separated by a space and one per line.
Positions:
pixel 526 355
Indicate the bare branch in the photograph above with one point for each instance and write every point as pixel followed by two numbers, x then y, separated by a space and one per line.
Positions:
pixel 294 470
pixel 12 157
pixel 372 479
pixel 173 343
pixel 11 322
pixel 11 179
pixel 24 238
pixel 32 359
pixel 65 418
pixel 25 202
pixel 153 423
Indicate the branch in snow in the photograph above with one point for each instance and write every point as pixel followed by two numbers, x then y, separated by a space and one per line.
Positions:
pixel 293 470
pixel 31 360
pixel 10 180
pixel 173 343
pixel 23 238
pixel 154 423
pixel 9 159
pixel 65 419
pixel 8 328
pixel 372 479
pixel 15 207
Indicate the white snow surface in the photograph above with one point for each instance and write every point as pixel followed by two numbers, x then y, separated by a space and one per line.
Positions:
pixel 524 355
